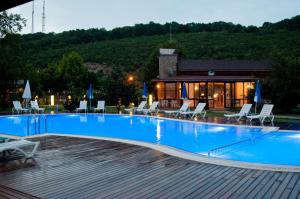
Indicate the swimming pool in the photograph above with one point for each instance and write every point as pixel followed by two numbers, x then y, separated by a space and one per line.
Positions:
pixel 225 142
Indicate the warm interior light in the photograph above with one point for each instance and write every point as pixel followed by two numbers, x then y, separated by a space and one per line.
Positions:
pixel 157 85
pixel 52 100
pixel 249 86
pixel 202 94
pixel 36 97
pixel 216 95
pixel 150 100
pixel 132 104
pixel 196 88
pixel 69 97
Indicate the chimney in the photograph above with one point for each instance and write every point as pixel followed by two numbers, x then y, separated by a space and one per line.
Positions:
pixel 167 63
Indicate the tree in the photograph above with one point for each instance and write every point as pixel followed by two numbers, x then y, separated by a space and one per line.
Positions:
pixel 10 65
pixel 10 23
pixel 73 75
pixel 283 85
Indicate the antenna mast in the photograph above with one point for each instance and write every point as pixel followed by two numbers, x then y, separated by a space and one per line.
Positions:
pixel 170 31
pixel 43 18
pixel 32 18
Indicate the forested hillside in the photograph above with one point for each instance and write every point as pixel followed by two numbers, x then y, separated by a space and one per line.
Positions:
pixel 129 47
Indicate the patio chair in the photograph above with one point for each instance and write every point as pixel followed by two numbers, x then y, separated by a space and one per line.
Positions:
pixel 100 106
pixel 152 109
pixel 265 113
pixel 137 109
pixel 19 145
pixel 18 108
pixel 243 112
pixel 35 107
pixel 199 111
pixel 82 107
pixel 175 113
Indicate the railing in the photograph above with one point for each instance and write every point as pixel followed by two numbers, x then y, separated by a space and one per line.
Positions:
pixel 36 124
pixel 231 146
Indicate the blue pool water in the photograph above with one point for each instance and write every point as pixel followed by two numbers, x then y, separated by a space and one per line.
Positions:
pixel 228 142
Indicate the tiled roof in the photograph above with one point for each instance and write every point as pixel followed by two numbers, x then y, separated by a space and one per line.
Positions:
pixel 223 65
pixel 191 78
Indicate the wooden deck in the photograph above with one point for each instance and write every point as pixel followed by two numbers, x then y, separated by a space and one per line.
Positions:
pixel 85 168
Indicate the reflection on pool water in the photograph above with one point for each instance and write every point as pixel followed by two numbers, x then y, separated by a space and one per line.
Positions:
pixel 227 142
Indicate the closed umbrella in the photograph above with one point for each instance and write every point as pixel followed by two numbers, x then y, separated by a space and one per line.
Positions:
pixel 257 96
pixel 184 92
pixel 90 95
pixel 27 93
pixel 145 91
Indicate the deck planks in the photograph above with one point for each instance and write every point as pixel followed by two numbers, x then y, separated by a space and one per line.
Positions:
pixel 69 167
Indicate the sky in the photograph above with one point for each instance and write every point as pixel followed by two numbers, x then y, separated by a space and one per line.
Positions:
pixel 63 15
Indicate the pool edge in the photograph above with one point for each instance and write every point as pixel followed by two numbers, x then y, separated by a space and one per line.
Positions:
pixel 186 155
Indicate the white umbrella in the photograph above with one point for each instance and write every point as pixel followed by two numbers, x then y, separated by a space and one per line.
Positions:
pixel 27 93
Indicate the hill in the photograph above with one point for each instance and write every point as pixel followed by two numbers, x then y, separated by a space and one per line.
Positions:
pixel 129 47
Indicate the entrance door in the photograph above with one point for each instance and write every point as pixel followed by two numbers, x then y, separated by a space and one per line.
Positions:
pixel 218 96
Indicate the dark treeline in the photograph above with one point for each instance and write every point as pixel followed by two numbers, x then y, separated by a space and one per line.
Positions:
pixel 94 35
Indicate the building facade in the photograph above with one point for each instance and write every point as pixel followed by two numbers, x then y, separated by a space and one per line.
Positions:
pixel 219 83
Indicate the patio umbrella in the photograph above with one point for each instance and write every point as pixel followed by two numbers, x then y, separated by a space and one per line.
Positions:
pixel 184 92
pixel 145 91
pixel 27 93
pixel 257 96
pixel 90 95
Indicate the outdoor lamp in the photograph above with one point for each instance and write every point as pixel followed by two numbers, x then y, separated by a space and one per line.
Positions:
pixel 130 78
pixel 52 100
pixel 150 100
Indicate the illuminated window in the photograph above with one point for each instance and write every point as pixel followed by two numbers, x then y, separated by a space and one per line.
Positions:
pixel 160 90
pixel 170 90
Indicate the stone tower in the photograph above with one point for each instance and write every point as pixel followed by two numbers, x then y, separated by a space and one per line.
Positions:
pixel 167 63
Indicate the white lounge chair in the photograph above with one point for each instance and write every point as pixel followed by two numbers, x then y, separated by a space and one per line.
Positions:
pixel 265 113
pixel 100 106
pixel 18 108
pixel 35 107
pixel 175 113
pixel 152 109
pixel 19 145
pixel 82 107
pixel 199 110
pixel 245 110
pixel 140 108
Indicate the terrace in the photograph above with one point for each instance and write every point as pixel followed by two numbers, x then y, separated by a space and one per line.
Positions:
pixel 69 167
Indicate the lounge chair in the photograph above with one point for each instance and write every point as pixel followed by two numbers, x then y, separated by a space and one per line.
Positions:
pixel 265 113
pixel 100 106
pixel 152 109
pixel 18 108
pixel 243 112
pixel 175 113
pixel 82 107
pixel 199 110
pixel 35 107
pixel 137 109
pixel 18 145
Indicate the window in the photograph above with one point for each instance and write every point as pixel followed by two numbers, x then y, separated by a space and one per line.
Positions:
pixel 170 90
pixel 191 90
pixel 160 87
